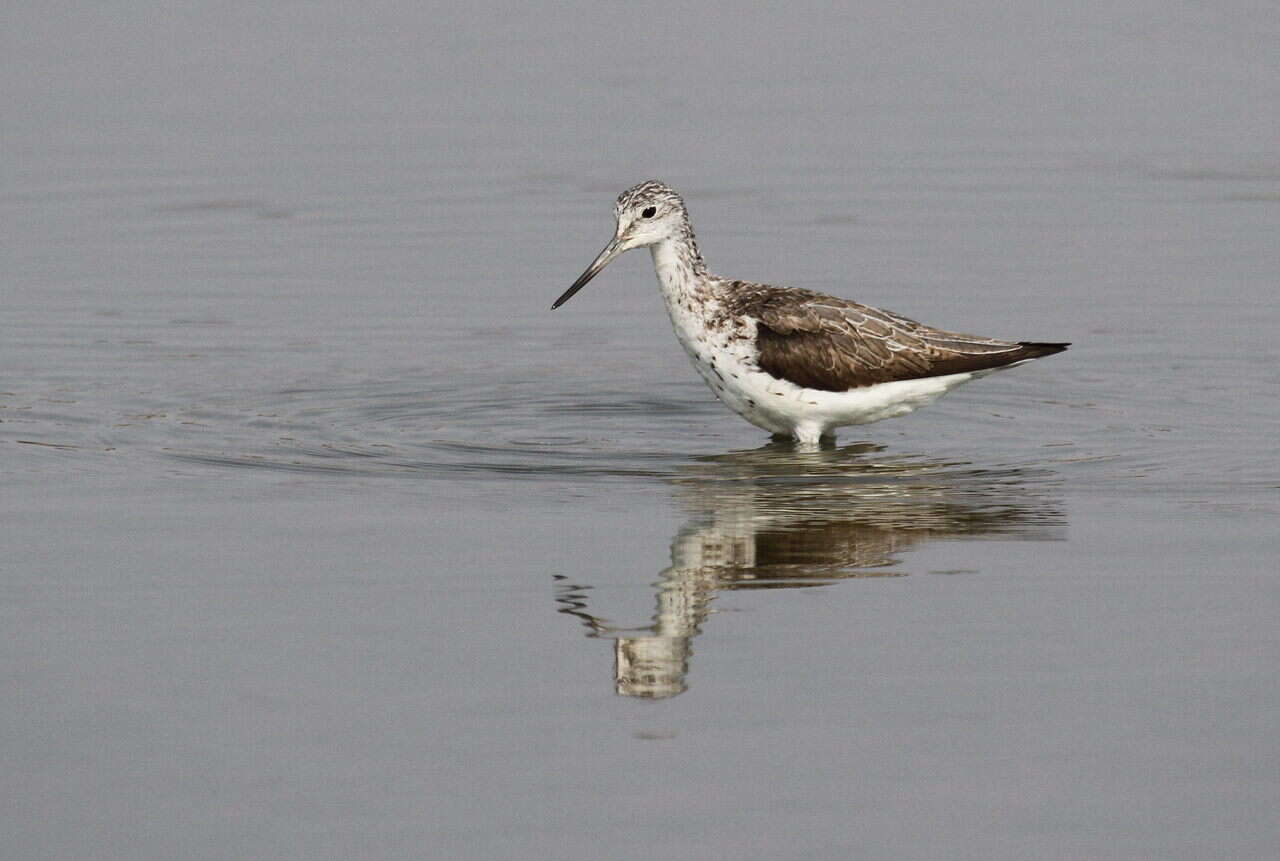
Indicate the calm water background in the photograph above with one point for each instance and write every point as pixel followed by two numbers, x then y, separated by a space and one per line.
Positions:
pixel 325 538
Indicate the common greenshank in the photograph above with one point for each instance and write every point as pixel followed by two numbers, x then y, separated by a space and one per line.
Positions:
pixel 794 362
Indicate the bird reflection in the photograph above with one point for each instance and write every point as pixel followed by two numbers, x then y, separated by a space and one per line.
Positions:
pixel 783 517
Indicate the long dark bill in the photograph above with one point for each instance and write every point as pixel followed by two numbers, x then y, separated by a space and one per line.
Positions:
pixel 601 261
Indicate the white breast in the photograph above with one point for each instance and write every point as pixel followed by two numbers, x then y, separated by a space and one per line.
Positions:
pixel 726 359
pixel 723 350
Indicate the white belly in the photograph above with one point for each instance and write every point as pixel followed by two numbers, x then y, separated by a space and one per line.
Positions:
pixel 728 367
pixel 726 360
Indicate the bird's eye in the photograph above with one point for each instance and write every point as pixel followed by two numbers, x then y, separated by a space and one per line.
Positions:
pixel 649 212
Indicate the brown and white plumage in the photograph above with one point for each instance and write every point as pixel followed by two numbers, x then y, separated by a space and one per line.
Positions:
pixel 832 344
pixel 794 361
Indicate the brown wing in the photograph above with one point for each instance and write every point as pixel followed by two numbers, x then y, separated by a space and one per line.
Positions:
pixel 822 342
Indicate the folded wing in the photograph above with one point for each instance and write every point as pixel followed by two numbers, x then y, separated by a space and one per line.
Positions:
pixel 822 342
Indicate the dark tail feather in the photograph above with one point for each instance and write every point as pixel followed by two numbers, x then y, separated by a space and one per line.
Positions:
pixel 976 362
pixel 1036 349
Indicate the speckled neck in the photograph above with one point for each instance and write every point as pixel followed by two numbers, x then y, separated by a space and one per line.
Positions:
pixel 681 271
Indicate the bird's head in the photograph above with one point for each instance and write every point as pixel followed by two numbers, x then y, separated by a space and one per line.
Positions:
pixel 646 214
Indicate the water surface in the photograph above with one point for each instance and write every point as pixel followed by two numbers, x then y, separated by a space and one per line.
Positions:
pixel 326 538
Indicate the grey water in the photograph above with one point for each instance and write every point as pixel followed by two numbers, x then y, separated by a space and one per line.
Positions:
pixel 324 538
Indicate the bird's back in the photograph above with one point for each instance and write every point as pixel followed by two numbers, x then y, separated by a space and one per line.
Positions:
pixel 832 344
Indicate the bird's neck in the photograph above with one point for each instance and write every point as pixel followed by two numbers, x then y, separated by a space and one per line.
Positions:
pixel 681 271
